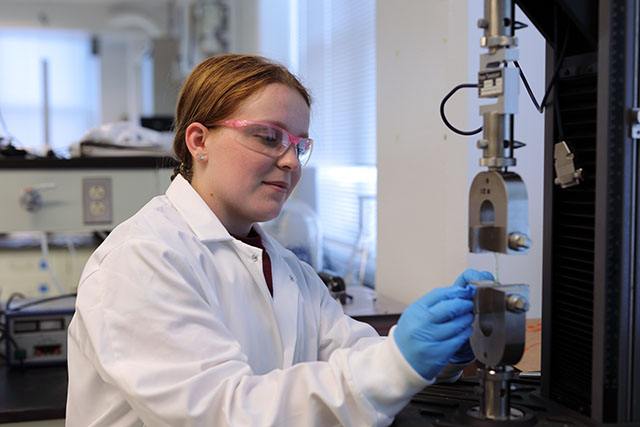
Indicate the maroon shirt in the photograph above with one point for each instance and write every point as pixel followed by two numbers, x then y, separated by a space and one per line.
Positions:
pixel 255 240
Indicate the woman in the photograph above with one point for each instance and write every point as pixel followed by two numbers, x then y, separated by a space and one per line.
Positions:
pixel 189 314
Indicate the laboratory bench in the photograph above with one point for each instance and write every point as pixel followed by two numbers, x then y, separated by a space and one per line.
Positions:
pixel 33 393
pixel 367 306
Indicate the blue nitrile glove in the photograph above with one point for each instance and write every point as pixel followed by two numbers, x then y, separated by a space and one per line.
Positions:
pixel 432 328
pixel 465 353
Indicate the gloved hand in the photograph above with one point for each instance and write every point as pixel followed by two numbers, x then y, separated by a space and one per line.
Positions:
pixel 432 328
pixel 465 353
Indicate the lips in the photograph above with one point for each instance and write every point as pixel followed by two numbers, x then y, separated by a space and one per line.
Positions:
pixel 278 185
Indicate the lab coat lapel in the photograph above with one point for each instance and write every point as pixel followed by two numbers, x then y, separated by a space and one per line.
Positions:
pixel 286 305
pixel 252 259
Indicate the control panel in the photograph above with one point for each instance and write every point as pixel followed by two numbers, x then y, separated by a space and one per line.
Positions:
pixel 37 333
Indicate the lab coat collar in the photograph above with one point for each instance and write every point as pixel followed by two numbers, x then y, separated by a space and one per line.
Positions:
pixel 204 223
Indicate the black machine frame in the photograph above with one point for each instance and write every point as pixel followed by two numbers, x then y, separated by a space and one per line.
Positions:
pixel 591 301
pixel 590 291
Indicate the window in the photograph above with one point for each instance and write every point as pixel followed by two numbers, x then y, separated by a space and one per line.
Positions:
pixel 73 86
pixel 333 52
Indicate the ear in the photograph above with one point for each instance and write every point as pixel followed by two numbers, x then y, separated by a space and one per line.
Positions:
pixel 196 138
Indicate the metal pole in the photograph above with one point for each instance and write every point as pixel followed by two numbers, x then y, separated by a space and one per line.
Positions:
pixel 45 106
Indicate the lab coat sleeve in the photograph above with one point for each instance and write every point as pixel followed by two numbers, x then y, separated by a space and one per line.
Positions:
pixel 336 329
pixel 356 345
pixel 341 331
pixel 155 337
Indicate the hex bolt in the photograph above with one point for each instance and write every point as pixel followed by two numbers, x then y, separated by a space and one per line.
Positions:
pixel 517 303
pixel 518 242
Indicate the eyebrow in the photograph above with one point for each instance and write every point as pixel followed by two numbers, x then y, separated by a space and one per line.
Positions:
pixel 283 126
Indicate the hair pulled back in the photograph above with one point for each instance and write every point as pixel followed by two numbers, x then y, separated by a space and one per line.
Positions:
pixel 216 88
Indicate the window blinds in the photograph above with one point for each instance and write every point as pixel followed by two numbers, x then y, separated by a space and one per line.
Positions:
pixel 336 41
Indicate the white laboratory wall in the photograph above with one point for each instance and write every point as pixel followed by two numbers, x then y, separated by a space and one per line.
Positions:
pixel 21 270
pixel 273 27
pixel 113 72
pixel 244 26
pixel 422 167
pixel 424 170
pixel 98 16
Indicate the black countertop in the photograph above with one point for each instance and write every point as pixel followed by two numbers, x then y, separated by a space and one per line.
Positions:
pixel 89 163
pixel 33 393
pixel 39 393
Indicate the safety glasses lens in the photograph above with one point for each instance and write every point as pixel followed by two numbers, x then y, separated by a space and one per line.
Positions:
pixel 273 141
pixel 264 138
pixel 305 147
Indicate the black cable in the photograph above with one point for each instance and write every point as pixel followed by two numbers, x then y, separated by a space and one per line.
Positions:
pixel 517 25
pixel 526 86
pixel 11 297
pixel 20 354
pixel 40 301
pixel 444 118
pixel 554 76
pixel 9 338
pixel 539 107
pixel 559 58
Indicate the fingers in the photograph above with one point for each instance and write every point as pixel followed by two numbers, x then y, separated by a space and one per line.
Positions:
pixel 449 318
pixel 447 310
pixel 449 292
pixel 471 275
pixel 459 328
pixel 473 289
pixel 455 342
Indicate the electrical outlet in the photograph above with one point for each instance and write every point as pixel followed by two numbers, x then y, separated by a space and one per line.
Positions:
pixel 97 200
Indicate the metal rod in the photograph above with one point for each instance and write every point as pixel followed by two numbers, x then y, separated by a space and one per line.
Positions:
pixel 45 105
pixel 495 403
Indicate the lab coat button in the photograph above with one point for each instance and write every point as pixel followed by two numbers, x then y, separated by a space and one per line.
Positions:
pixel 254 257
pixel 291 278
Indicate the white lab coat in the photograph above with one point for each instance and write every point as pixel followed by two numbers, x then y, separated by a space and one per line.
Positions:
pixel 174 326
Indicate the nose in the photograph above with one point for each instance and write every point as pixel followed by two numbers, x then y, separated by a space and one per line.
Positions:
pixel 289 159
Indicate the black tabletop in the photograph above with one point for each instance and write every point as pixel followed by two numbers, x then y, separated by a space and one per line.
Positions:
pixel 89 163
pixel 33 393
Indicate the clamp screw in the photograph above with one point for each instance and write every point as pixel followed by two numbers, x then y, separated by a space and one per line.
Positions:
pixel 518 241
pixel 483 23
pixel 517 303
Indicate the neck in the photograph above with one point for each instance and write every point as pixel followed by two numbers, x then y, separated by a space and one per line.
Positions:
pixel 238 228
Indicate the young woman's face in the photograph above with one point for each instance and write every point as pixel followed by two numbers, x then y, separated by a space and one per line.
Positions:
pixel 242 186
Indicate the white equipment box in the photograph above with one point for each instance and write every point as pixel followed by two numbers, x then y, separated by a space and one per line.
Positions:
pixel 83 194
pixel 36 331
